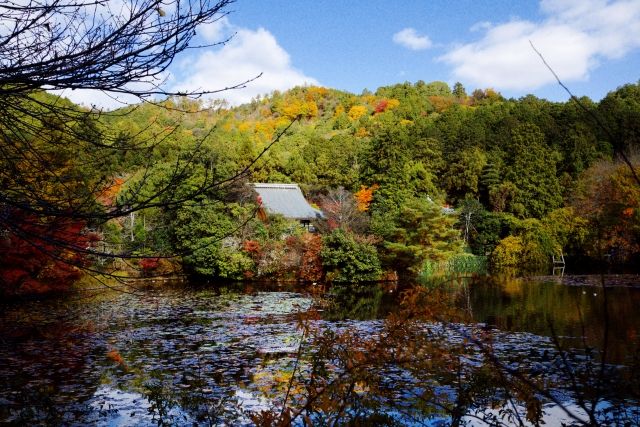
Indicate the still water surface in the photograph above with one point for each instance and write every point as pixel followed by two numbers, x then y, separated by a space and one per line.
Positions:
pixel 184 354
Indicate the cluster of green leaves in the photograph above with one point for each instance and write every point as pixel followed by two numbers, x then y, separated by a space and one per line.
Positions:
pixel 348 260
pixel 204 233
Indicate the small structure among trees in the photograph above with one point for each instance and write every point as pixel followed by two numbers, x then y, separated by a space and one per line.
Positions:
pixel 286 200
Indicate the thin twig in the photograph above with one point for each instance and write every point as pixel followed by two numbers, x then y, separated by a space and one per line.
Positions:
pixel 618 145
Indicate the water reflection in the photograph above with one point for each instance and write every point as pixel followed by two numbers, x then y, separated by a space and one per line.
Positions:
pixel 210 356
pixel 581 316
pixel 360 301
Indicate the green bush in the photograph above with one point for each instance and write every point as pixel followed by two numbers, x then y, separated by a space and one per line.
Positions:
pixel 205 235
pixel 347 260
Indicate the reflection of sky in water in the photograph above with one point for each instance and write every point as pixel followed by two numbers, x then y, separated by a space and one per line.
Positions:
pixel 117 408
pixel 215 346
pixel 125 408
pixel 554 415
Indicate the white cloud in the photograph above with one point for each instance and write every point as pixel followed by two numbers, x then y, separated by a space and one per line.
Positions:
pixel 248 54
pixel 217 31
pixel 96 98
pixel 110 100
pixel 410 39
pixel 574 38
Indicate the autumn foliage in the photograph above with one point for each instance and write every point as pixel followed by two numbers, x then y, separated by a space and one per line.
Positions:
pixel 110 191
pixel 42 255
pixel 381 106
pixel 148 265
pixel 311 262
pixel 385 104
pixel 608 197
pixel 364 197
pixel 115 356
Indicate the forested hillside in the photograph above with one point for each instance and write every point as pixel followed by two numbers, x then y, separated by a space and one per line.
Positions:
pixel 529 179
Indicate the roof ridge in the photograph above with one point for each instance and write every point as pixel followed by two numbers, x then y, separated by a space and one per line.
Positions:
pixel 275 185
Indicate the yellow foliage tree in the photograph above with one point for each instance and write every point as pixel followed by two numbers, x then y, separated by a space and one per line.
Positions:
pixel 316 92
pixel 362 133
pixel 265 129
pixel 357 111
pixel 508 253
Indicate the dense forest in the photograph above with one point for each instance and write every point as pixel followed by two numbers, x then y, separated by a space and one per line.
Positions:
pixel 529 179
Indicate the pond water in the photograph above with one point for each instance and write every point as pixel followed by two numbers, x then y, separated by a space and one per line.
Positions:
pixel 184 354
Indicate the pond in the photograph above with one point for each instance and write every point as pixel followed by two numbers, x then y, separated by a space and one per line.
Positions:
pixel 492 349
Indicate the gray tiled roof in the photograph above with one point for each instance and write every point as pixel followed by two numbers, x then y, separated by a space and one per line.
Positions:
pixel 286 199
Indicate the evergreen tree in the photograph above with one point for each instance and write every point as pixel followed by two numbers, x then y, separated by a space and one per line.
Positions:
pixel 422 233
pixel 459 91
pixel 533 171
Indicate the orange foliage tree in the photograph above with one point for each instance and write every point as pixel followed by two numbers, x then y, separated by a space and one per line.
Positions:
pixel 609 198
pixel 364 197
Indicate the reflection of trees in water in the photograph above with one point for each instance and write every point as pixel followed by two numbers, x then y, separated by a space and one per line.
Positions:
pixel 363 301
pixel 578 314
pixel 357 302
pixel 416 369
pixel 171 406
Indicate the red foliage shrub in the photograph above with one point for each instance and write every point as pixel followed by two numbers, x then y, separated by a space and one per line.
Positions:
pixel 292 242
pixel 332 224
pixel 41 255
pixel 381 106
pixel 251 246
pixel 148 265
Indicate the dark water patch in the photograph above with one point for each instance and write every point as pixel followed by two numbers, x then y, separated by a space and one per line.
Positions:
pixel 579 313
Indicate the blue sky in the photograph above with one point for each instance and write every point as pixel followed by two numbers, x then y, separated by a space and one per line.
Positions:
pixel 594 45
